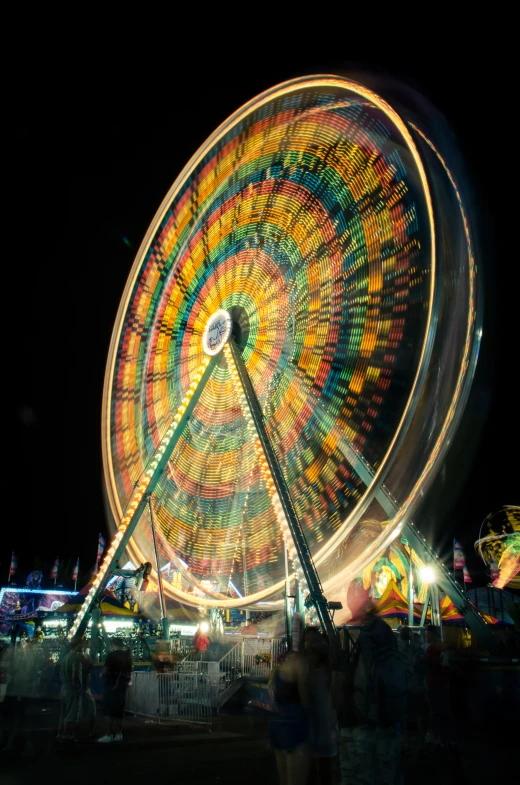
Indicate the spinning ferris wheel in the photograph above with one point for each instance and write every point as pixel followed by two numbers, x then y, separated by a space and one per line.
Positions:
pixel 292 351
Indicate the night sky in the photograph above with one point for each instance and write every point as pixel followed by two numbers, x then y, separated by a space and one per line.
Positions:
pixel 92 155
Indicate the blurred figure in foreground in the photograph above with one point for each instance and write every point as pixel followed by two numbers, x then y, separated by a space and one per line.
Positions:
pixel 88 704
pixel 289 727
pixel 441 731
pixel 117 675
pixel 372 704
pixel 416 703
pixel 70 692
pixel 201 640
pixel 322 714
pixel 20 668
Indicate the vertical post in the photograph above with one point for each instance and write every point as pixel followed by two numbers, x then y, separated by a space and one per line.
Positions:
pixel 244 568
pixel 425 606
pixel 410 590
pixel 279 492
pixel 288 626
pixel 164 620
pixel 436 608
pixel 299 604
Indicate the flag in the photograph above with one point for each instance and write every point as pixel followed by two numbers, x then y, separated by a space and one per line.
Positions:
pixel 100 548
pixel 495 572
pixel 14 565
pixel 75 571
pixel 467 576
pixel 459 560
pixel 54 571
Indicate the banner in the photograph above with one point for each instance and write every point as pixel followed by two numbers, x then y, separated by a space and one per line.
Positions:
pixel 14 565
pixel 100 548
pixel 467 576
pixel 54 571
pixel 459 560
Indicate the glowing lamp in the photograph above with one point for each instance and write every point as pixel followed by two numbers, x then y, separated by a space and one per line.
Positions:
pixel 427 575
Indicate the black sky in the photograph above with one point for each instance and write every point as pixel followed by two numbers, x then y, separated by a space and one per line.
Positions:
pixel 93 152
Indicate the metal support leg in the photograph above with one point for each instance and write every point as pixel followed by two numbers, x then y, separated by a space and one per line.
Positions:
pixel 279 488
pixel 287 603
pixel 164 619
pixel 139 498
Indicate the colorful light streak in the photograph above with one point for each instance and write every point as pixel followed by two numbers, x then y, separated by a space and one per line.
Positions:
pixel 307 217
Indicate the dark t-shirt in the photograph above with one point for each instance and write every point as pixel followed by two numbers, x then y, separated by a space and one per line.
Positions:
pixel 118 666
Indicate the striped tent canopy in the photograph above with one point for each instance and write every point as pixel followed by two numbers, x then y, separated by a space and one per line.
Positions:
pixel 392 603
pixel 450 614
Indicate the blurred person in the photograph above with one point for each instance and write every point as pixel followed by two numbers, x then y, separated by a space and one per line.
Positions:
pixel 201 640
pixel 39 634
pixel 70 692
pixel 88 704
pixel 22 665
pixel 14 632
pixel 289 728
pixel 135 581
pixel 372 703
pixel 117 674
pixel 416 703
pixel 322 714
pixel 441 731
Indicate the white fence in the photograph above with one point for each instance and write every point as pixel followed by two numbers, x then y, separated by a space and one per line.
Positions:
pixel 184 697
pixel 189 694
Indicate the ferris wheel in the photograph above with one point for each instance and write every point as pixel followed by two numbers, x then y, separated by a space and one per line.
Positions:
pixel 292 351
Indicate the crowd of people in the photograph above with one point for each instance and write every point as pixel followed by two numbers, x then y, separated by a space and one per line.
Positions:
pixel 343 722
pixel 351 722
pixel 26 672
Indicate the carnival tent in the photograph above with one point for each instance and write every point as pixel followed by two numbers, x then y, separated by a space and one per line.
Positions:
pixel 393 603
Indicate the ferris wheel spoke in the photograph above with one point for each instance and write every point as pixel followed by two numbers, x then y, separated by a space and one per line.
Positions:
pixel 280 498
pixel 142 492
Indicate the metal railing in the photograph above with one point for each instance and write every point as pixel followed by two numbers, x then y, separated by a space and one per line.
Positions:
pixel 181 697
pixel 193 666
pixel 188 693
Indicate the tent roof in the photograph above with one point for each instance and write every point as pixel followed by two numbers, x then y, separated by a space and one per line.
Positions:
pixel 392 602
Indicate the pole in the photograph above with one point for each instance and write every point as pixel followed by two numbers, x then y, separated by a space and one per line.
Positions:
pixel 253 413
pixel 425 606
pixel 137 501
pixel 244 567
pixel 164 620
pixel 288 626
pixel 410 592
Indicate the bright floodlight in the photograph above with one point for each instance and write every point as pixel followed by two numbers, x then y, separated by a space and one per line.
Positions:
pixel 427 575
pixel 204 627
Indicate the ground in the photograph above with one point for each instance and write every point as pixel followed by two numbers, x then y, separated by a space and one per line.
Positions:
pixel 236 751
